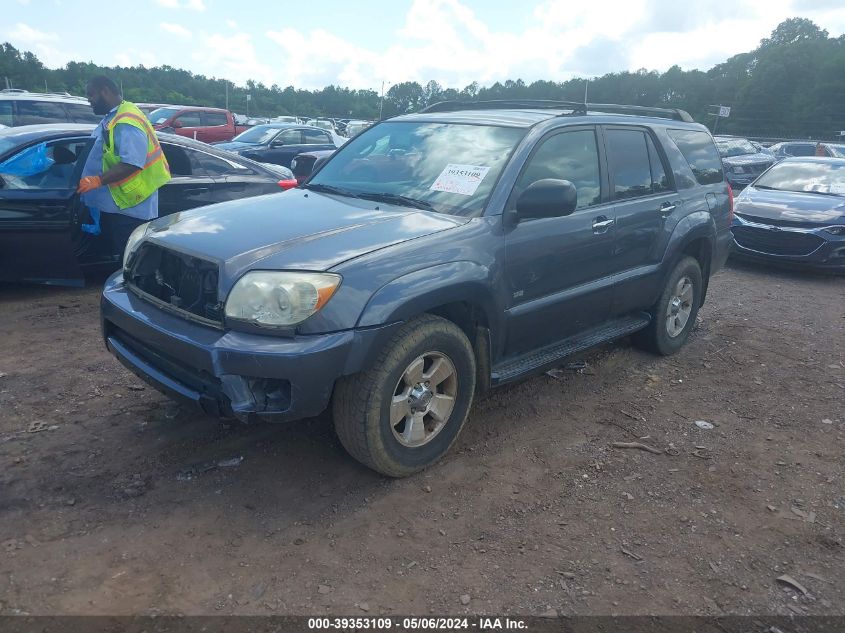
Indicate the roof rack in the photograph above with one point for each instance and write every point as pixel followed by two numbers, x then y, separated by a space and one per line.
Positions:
pixel 545 104
pixel 20 91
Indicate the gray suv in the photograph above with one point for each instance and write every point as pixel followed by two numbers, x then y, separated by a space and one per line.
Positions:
pixel 19 107
pixel 432 257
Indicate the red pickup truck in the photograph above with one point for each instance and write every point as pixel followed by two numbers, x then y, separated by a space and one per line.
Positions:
pixel 208 125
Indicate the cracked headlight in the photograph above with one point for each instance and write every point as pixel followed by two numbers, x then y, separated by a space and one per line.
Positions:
pixel 280 298
pixel 134 240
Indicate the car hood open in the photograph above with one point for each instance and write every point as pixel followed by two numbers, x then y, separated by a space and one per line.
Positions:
pixel 789 206
pixel 295 230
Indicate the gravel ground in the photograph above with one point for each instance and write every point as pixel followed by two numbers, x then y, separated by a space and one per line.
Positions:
pixel 115 501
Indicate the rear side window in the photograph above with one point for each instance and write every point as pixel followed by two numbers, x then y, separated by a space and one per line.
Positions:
pixel 315 137
pixel 34 112
pixel 214 118
pixel 214 166
pixel 701 155
pixel 803 149
pixel 177 158
pixel 629 163
pixel 82 113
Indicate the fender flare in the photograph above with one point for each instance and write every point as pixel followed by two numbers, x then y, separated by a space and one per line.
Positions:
pixel 697 225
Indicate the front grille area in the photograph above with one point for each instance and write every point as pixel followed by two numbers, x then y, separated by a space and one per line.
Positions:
pixel 801 224
pixel 776 242
pixel 183 283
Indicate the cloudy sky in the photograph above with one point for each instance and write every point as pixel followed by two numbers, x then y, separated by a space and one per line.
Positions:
pixel 361 44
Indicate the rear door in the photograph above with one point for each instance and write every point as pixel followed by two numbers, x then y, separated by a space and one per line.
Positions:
pixel 231 180
pixel 189 187
pixel 40 214
pixel 644 197
pixel 559 269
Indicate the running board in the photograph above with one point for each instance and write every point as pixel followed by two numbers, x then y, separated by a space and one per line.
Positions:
pixel 551 355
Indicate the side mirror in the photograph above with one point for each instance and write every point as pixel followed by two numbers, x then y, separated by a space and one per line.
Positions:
pixel 176 124
pixel 277 143
pixel 547 198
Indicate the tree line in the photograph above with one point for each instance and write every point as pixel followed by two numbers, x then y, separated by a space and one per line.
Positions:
pixel 791 85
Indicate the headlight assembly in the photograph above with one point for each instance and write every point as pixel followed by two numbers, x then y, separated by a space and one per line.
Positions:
pixel 278 298
pixel 134 240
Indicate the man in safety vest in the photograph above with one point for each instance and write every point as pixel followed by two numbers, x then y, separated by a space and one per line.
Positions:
pixel 125 168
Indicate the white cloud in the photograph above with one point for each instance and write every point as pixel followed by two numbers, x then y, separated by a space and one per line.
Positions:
pixel 134 57
pixel 41 43
pixel 175 29
pixel 195 5
pixel 233 57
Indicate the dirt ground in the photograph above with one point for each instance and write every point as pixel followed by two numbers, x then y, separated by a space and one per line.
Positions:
pixel 115 501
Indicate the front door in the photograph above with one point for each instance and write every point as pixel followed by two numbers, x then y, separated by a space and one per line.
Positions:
pixel 558 270
pixel 40 213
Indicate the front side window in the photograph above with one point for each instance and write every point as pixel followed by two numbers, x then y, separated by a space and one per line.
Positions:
pixel 571 156
pixel 444 167
pixel 190 119
pixel 45 165
pixel 289 137
pixel 700 153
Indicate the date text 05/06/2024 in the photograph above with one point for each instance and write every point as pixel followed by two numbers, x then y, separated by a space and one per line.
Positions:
pixel 417 624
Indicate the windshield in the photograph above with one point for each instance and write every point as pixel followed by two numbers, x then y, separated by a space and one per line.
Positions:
pixel 451 167
pixel 734 147
pixel 160 115
pixel 259 135
pixel 805 176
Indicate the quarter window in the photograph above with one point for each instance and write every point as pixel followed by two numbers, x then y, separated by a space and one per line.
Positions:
pixel 571 156
pixel 701 155
pixel 82 113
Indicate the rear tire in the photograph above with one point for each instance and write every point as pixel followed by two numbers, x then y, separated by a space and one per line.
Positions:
pixel 405 412
pixel 674 314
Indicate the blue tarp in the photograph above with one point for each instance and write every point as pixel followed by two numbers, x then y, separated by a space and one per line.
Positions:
pixel 31 161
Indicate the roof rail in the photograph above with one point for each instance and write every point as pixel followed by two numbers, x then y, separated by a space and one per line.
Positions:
pixel 545 104
pixel 21 91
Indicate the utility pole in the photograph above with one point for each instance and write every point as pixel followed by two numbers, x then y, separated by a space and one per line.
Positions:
pixel 381 101
pixel 226 82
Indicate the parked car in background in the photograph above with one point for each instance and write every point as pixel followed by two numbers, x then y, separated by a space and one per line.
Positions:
pixel 278 143
pixel 742 161
pixel 208 125
pixel 19 107
pixel 304 164
pixel 284 119
pixel 354 127
pixel 41 214
pixel 789 149
pixel 435 255
pixel 325 124
pixel 147 108
pixel 794 214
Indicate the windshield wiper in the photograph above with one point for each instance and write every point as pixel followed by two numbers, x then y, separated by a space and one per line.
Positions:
pixel 395 198
pixel 330 189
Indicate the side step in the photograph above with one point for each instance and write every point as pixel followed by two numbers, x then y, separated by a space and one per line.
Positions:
pixel 550 355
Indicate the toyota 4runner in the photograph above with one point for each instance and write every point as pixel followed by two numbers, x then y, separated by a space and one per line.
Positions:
pixel 432 257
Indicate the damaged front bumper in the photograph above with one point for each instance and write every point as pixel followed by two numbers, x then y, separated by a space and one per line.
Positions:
pixel 226 373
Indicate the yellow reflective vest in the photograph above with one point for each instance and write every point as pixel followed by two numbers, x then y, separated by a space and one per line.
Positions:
pixel 156 172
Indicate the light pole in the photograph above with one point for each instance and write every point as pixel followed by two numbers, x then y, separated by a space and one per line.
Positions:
pixel 381 101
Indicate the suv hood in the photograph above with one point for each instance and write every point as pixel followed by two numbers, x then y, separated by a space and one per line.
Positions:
pixel 294 230
pixel 791 206
pixel 749 159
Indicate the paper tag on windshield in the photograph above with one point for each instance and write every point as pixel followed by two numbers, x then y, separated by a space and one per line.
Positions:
pixel 460 179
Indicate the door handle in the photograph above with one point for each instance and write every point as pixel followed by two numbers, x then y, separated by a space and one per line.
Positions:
pixel 601 224
pixel 667 207
pixel 195 191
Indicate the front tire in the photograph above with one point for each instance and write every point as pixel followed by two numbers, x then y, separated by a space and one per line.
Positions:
pixel 405 412
pixel 674 314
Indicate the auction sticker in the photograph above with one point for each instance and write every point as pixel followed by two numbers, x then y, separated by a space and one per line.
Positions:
pixel 460 179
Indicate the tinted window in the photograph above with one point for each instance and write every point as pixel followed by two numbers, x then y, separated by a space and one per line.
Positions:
pixel 701 155
pixel 177 158
pixel 215 118
pixel 315 137
pixel 629 163
pixel 659 180
pixel 190 119
pixel 33 112
pixel 213 165
pixel 803 149
pixel 82 113
pixel 6 113
pixel 571 156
